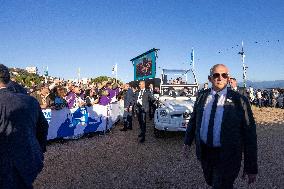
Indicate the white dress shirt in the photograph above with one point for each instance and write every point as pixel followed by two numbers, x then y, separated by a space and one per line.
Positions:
pixel 139 100
pixel 218 117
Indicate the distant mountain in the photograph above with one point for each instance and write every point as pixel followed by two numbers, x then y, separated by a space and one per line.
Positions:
pixel 265 84
pixel 259 84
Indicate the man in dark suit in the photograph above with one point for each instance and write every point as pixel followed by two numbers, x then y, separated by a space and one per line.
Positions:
pixel 23 133
pixel 15 87
pixel 205 87
pixel 143 97
pixel 129 98
pixel 234 86
pixel 223 126
pixel 152 107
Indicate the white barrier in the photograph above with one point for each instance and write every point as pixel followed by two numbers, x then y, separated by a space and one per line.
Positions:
pixel 75 122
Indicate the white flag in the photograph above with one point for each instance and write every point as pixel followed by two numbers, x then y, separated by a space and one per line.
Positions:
pixel 114 69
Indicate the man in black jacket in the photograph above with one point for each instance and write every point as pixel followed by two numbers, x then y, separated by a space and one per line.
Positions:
pixel 15 87
pixel 152 106
pixel 223 127
pixel 129 98
pixel 23 134
pixel 234 86
pixel 143 97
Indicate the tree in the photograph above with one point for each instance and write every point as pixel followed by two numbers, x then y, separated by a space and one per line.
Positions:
pixel 104 78
pixel 25 78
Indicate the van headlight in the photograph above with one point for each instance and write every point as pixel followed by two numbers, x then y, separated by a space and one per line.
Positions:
pixel 163 113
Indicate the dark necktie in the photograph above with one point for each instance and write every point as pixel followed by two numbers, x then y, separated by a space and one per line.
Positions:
pixel 140 97
pixel 141 94
pixel 211 121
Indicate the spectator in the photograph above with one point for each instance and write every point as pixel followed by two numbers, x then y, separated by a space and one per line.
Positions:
pixel 91 97
pixel 184 92
pixel 259 98
pixel 265 97
pixel 59 101
pixel 104 99
pixel 113 92
pixel 74 98
pixel 251 95
pixel 44 97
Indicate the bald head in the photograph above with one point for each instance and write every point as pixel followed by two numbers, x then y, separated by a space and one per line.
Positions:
pixel 219 77
pixel 126 86
pixel 142 84
pixel 218 66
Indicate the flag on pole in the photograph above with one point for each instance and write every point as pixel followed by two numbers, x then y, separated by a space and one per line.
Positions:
pixel 192 58
pixel 114 69
pixel 79 74
pixel 45 72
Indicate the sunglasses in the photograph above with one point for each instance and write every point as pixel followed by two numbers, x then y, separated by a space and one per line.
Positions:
pixel 217 75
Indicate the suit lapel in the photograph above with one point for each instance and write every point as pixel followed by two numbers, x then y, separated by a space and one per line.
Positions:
pixel 227 104
pixel 138 94
pixel 143 94
pixel 227 108
pixel 200 107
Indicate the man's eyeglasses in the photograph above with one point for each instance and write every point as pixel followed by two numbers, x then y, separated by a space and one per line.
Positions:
pixel 217 75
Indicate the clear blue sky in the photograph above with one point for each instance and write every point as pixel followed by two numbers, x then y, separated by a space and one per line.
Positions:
pixel 96 34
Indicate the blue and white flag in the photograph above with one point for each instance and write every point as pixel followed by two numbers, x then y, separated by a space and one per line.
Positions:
pixel 192 58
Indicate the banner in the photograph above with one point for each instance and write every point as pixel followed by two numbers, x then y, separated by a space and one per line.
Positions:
pixel 145 65
pixel 73 122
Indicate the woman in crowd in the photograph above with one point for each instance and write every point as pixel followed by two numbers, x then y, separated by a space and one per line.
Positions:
pixel 44 97
pixel 113 92
pixel 74 98
pixel 59 101
pixel 104 99
pixel 91 98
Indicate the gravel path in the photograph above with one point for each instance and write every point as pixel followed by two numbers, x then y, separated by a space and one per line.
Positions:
pixel 117 160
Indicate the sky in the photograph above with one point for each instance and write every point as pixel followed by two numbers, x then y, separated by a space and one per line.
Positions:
pixel 94 35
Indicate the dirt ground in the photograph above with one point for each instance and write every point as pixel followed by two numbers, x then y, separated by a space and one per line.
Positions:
pixel 117 160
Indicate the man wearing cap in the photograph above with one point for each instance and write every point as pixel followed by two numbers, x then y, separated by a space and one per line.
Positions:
pixel 23 135
pixel 224 130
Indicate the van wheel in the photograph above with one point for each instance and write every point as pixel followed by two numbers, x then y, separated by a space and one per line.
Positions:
pixel 159 133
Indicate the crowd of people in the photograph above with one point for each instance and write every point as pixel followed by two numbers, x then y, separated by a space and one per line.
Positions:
pixel 267 98
pixel 273 97
pixel 59 94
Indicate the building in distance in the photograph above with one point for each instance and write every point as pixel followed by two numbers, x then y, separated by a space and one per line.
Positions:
pixel 32 69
